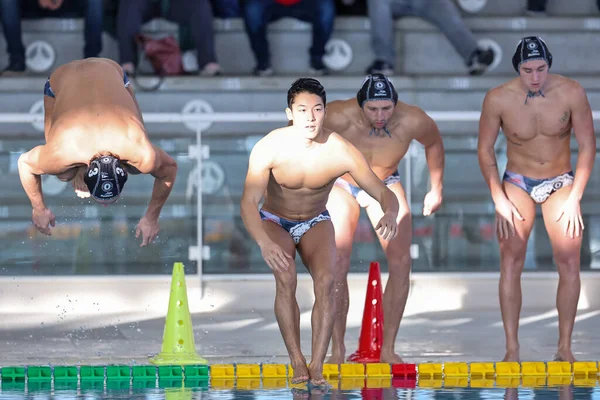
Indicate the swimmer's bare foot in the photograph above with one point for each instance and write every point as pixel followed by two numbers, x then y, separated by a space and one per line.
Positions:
pixel 390 358
pixel 316 375
pixel 300 371
pixel 511 356
pixel 564 355
pixel 79 185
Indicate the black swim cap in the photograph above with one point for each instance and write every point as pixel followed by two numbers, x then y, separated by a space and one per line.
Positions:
pixel 531 48
pixel 376 87
pixel 105 179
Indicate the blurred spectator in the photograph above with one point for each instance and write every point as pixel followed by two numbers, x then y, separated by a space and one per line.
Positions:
pixel 259 13
pixel 226 8
pixel 13 11
pixel 441 13
pixel 351 7
pixel 536 8
pixel 195 14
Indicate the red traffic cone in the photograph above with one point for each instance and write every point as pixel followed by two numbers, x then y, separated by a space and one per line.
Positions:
pixel 371 332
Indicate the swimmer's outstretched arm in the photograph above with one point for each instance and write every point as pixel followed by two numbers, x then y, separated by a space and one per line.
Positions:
pixel 255 186
pixel 489 127
pixel 428 134
pixel 257 179
pixel 360 171
pixel 31 167
pixel 164 172
pixel 31 176
pixel 583 128
pixel 164 169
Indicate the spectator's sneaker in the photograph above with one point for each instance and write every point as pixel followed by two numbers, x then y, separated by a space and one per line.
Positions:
pixel 480 61
pixel 263 71
pixel 15 68
pixel 211 69
pixel 381 67
pixel 318 68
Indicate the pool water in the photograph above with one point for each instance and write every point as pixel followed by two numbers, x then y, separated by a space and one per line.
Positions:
pixel 250 390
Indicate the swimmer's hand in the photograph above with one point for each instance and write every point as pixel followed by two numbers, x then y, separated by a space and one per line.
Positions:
pixel 571 216
pixel 505 213
pixel 148 228
pixel 387 226
pixel 432 202
pixel 43 219
pixel 81 189
pixel 275 257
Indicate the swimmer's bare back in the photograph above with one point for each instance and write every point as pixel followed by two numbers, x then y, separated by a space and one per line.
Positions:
pixel 537 133
pixel 383 153
pixel 93 112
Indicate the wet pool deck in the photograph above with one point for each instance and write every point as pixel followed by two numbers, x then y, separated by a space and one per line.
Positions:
pixel 40 324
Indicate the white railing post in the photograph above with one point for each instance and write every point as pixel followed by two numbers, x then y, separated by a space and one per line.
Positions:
pixel 199 230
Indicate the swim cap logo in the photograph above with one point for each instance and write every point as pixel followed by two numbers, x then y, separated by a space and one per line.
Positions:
pixel 93 172
pixel 533 49
pixel 105 160
pixel 376 87
pixel 107 186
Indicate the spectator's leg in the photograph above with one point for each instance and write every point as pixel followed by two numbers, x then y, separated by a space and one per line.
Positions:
pixel 130 17
pixel 445 15
pixel 256 15
pixel 383 36
pixel 94 21
pixel 199 17
pixel 10 14
pixel 321 14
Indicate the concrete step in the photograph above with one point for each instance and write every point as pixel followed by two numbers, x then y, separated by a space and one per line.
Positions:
pixel 571 39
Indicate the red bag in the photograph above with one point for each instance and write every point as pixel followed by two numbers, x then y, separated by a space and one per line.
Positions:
pixel 164 54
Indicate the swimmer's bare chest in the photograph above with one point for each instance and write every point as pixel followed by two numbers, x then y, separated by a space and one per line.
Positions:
pixel 299 188
pixel 306 173
pixel 542 119
pixel 383 153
